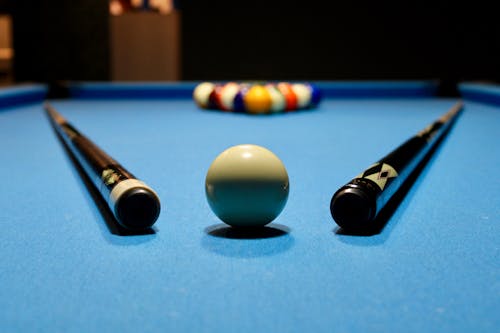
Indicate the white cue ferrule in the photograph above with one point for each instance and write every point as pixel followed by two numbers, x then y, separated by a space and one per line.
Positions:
pixel 123 187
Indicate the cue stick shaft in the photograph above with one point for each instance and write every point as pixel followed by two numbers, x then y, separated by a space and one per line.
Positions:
pixel 355 205
pixel 134 204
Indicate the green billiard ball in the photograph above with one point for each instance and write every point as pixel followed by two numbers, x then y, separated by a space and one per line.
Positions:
pixel 247 186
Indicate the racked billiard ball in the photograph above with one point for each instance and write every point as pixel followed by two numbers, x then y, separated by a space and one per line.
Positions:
pixel 239 98
pixel 291 99
pixel 303 93
pixel 247 186
pixel 228 92
pixel 278 102
pixel 257 100
pixel 201 93
pixel 315 95
pixel 214 99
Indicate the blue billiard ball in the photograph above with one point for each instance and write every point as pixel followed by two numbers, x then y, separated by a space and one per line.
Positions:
pixel 239 99
pixel 315 95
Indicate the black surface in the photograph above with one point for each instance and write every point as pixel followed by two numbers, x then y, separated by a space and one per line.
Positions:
pixel 4 6
pixel 279 40
pixel 340 40
pixel 60 40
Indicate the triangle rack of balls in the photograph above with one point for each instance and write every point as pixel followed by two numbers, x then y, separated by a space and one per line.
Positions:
pixel 257 98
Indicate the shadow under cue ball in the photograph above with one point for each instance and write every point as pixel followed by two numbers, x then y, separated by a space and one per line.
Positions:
pixel 247 186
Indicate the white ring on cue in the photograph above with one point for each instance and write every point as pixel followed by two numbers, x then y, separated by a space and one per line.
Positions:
pixel 124 186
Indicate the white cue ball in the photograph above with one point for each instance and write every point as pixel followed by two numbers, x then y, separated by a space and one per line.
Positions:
pixel 247 186
pixel 202 92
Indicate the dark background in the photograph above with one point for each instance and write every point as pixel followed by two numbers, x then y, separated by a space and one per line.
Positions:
pixel 279 40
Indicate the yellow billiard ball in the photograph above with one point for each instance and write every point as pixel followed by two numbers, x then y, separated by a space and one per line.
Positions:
pixel 257 100
pixel 247 186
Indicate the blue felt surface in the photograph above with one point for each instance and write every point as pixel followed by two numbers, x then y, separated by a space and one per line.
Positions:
pixel 434 267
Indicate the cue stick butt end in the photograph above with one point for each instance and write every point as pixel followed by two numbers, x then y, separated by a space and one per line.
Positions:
pixel 136 205
pixel 352 208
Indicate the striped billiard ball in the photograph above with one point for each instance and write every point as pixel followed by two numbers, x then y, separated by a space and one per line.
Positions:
pixel 291 99
pixel 303 93
pixel 227 95
pixel 278 102
pixel 238 102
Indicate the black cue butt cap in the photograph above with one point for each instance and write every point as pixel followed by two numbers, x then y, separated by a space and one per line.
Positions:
pixel 353 209
pixel 137 208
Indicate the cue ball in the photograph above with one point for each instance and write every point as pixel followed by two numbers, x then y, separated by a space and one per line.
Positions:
pixel 247 186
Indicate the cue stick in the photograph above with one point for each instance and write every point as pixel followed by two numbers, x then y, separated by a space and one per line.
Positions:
pixel 135 205
pixel 356 205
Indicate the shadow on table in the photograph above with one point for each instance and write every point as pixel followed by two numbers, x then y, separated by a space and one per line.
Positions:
pixel 113 227
pixel 247 242
pixel 225 231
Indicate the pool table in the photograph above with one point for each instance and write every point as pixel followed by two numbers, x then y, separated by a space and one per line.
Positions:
pixel 67 267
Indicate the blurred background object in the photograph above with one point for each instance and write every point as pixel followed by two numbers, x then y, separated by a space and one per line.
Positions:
pixel 144 41
pixel 275 40
pixel 6 50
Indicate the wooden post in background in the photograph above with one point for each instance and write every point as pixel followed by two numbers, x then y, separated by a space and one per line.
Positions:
pixel 145 46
